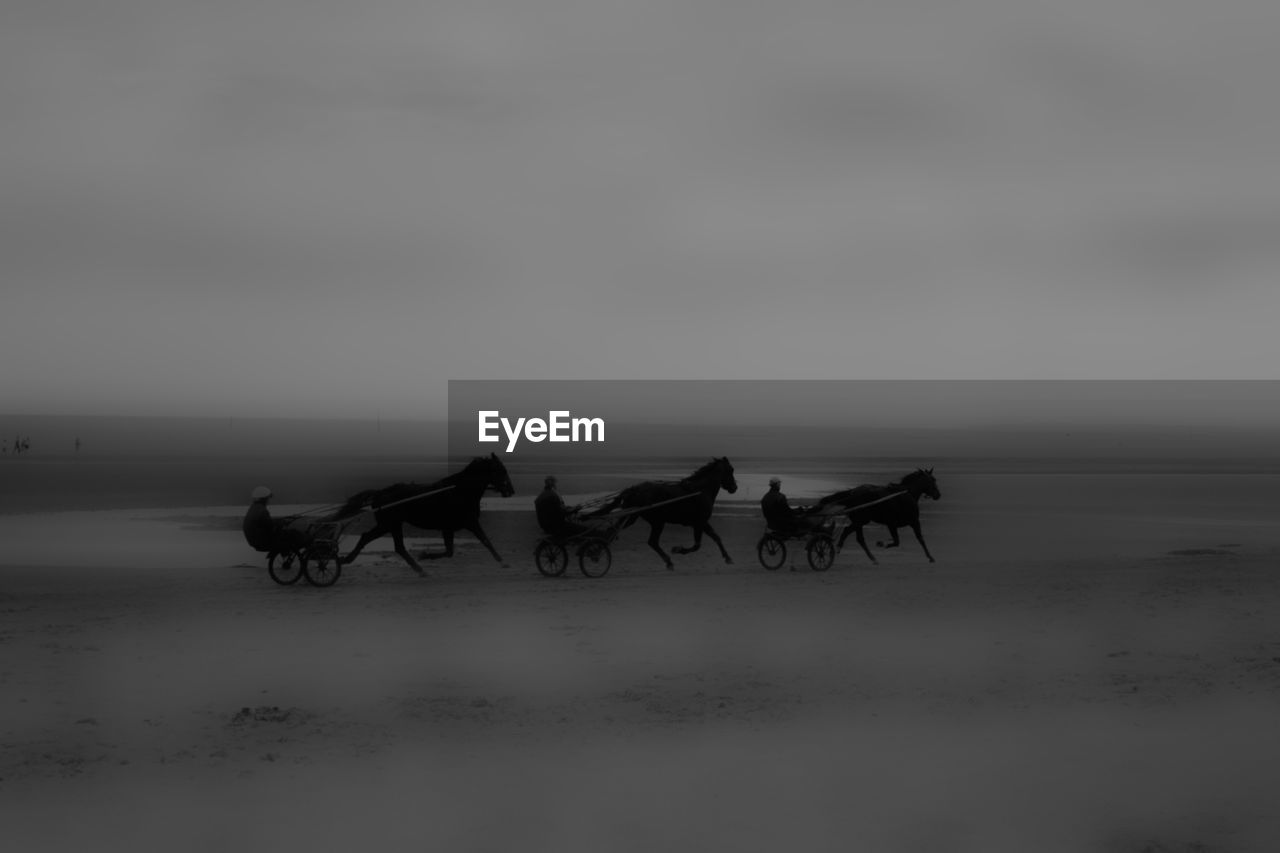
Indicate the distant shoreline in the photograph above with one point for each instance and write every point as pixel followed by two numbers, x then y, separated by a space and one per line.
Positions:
pixel 37 484
pixel 99 438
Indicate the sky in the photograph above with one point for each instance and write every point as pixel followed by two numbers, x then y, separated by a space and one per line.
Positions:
pixel 319 208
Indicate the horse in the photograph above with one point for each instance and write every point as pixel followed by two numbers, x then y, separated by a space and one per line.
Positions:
pixel 894 505
pixel 686 502
pixel 447 505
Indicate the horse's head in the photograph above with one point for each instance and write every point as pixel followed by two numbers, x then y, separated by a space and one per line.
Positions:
pixel 921 482
pixel 498 477
pixel 727 481
pixel 717 472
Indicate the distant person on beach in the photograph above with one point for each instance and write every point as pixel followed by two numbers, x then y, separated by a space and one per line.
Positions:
pixel 778 512
pixel 264 533
pixel 553 515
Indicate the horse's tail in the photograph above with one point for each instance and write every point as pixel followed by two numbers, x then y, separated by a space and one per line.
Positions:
pixel 355 505
pixel 612 503
pixel 836 499
pixel 629 520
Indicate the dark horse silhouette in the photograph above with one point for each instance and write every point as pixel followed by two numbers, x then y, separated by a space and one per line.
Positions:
pixel 690 503
pixel 895 505
pixel 455 508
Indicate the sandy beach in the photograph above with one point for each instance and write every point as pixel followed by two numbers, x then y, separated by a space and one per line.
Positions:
pixel 1106 685
pixel 340 249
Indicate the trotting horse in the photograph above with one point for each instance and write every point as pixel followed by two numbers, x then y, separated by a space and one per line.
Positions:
pixel 446 505
pixel 895 505
pixel 687 502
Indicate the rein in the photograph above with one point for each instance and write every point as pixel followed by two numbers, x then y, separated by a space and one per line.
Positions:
pixel 331 507
pixel 639 509
pixel 848 509
pixel 407 500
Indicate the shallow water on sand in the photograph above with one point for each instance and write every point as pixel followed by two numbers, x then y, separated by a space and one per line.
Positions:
pixel 60 512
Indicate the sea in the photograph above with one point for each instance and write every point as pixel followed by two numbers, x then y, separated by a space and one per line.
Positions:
pixel 1206 487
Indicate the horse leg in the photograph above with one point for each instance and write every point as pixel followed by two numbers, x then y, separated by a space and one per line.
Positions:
pixel 484 540
pixel 397 536
pixel 857 530
pixel 915 528
pixel 447 535
pixel 715 537
pixel 895 541
pixel 697 542
pixel 369 535
pixel 655 532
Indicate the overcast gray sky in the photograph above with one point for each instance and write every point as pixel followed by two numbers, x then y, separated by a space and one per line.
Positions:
pixel 305 207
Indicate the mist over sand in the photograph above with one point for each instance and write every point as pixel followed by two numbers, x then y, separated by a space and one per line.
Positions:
pixel 1090 665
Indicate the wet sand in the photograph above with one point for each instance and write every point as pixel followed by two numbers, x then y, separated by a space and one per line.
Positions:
pixel 1108 685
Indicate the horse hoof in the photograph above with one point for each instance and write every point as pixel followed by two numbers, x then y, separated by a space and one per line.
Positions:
pixel 728 561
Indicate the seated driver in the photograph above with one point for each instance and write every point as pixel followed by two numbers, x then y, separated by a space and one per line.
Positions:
pixel 779 515
pixel 264 533
pixel 553 515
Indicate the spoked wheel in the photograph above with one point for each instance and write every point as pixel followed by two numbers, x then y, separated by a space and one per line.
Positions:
pixel 285 567
pixel 822 552
pixel 595 558
pixel 772 550
pixel 322 570
pixel 551 557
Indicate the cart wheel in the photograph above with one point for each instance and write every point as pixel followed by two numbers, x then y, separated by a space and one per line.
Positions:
pixel 772 550
pixel 595 558
pixel 285 568
pixel 822 552
pixel 322 571
pixel 551 557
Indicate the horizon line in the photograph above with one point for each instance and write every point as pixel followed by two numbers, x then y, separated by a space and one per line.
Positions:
pixel 1078 422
